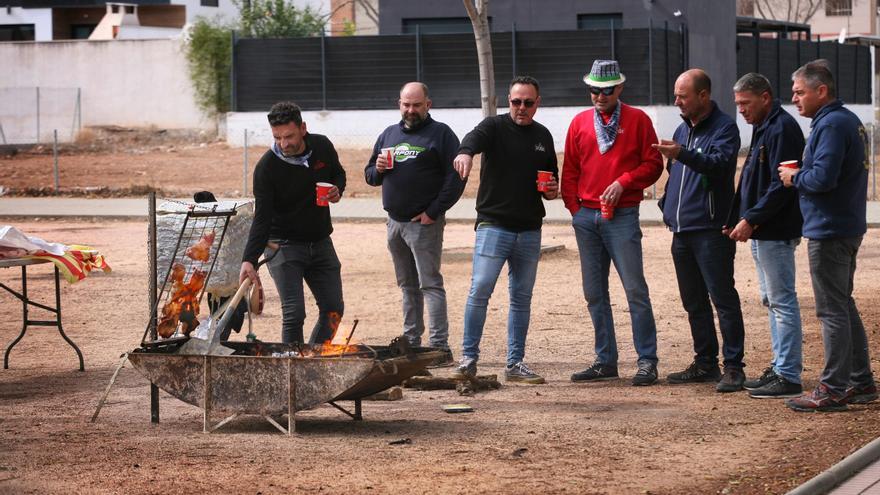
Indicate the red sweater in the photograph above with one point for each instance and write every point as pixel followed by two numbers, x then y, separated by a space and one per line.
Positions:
pixel 631 161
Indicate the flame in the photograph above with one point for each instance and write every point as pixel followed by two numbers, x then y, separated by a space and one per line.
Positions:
pixel 329 348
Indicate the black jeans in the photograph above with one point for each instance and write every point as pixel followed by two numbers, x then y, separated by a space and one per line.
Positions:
pixel 832 265
pixel 318 265
pixel 704 268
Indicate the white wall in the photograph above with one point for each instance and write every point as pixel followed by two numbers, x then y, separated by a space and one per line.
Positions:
pixel 127 83
pixel 360 128
pixel 40 18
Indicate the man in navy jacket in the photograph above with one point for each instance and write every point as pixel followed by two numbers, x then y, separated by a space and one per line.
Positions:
pixel 699 193
pixel 832 186
pixel 417 189
pixel 768 213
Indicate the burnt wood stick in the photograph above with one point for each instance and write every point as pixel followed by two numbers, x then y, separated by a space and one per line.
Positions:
pixel 481 382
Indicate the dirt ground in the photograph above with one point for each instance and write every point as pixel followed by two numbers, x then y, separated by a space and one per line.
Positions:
pixel 554 438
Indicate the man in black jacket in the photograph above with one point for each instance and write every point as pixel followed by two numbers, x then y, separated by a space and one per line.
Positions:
pixel 699 192
pixel 768 213
pixel 285 211
pixel 417 189
pixel 509 218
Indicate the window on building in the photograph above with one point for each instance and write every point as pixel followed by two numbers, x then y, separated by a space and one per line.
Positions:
pixel 600 21
pixel 17 32
pixel 81 31
pixel 114 9
pixel 210 3
pixel 442 25
pixel 129 9
pixel 838 7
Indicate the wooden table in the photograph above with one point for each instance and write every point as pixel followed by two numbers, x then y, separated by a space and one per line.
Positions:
pixel 26 302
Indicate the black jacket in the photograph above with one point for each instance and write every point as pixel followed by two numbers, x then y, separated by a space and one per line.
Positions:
pixel 512 155
pixel 285 195
pixel 761 199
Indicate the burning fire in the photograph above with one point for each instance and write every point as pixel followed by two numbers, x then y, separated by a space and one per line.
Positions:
pixel 328 348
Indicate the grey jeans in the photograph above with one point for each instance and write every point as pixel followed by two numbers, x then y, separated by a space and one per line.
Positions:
pixel 416 250
pixel 315 263
pixel 832 265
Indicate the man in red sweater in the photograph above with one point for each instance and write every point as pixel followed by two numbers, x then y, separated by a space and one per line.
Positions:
pixel 608 164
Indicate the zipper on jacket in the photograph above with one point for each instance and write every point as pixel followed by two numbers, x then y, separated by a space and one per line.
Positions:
pixel 684 170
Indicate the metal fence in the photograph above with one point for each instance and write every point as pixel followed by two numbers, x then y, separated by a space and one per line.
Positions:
pixel 365 72
pixel 33 114
pixel 778 58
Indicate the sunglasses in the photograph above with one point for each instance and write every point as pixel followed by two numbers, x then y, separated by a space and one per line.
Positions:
pixel 527 103
pixel 605 91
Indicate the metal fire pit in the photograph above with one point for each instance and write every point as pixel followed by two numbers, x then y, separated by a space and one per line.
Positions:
pixel 253 381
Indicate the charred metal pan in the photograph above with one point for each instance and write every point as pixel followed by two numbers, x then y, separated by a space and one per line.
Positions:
pixel 275 379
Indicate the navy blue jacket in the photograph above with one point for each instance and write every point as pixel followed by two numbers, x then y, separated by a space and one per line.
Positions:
pixel 699 192
pixel 833 182
pixel 761 199
pixel 423 178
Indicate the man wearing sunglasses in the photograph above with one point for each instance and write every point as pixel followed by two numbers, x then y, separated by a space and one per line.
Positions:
pixel 609 160
pixel 509 218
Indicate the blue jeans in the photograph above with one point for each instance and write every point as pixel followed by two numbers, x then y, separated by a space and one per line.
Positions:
pixel 776 277
pixel 520 250
pixel 704 269
pixel 847 360
pixel 601 242
pixel 315 263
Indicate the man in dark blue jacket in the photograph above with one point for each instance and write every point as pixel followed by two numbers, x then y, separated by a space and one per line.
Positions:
pixel 832 185
pixel 701 160
pixel 768 213
pixel 417 189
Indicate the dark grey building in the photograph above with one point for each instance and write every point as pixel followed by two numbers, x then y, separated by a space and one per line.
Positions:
pixel 710 25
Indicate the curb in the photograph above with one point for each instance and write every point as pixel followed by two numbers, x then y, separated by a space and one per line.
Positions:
pixel 825 481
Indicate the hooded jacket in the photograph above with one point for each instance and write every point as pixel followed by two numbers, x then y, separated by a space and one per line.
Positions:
pixel 761 199
pixel 833 182
pixel 699 192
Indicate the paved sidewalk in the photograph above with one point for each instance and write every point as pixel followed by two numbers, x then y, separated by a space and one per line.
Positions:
pixel 347 209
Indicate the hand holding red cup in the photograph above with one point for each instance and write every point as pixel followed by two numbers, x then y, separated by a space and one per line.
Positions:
pixel 544 176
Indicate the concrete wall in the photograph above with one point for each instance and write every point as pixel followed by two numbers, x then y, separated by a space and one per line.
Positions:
pixel 40 18
pixel 127 83
pixel 360 128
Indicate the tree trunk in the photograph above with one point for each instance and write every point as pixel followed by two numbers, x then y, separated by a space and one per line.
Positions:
pixel 479 15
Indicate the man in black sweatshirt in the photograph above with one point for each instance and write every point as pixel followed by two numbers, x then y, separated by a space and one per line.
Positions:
pixel 417 189
pixel 286 212
pixel 509 218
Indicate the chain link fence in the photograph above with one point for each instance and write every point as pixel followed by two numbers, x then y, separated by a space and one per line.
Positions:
pixel 32 114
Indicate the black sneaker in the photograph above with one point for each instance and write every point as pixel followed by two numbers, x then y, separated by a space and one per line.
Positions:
pixel 766 377
pixel 778 388
pixel 595 373
pixel 443 361
pixel 646 375
pixel 695 373
pixel 731 381
pixel 467 368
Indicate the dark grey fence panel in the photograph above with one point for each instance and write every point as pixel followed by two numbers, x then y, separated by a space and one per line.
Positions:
pixel 777 59
pixel 364 72
pixel 270 70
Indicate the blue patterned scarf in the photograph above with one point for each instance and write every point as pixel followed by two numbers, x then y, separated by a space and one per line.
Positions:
pixel 606 133
pixel 301 160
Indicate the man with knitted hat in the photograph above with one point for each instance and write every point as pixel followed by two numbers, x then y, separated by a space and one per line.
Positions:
pixel 608 163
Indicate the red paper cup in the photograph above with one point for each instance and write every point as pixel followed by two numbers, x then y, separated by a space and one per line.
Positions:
pixel 789 164
pixel 607 211
pixel 544 177
pixel 388 153
pixel 321 191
